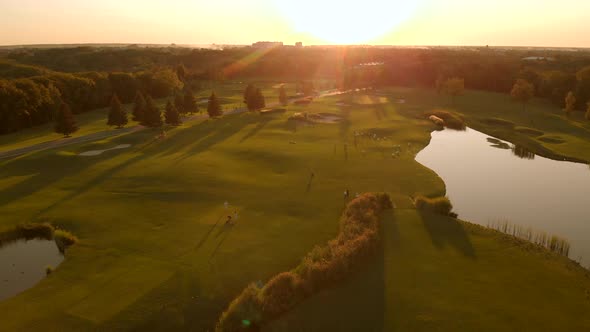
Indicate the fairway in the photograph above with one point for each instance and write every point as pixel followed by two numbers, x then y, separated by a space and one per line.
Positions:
pixel 155 253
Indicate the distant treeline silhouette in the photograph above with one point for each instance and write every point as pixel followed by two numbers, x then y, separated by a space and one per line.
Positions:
pixel 87 77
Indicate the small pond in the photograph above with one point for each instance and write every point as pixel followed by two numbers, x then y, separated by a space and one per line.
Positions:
pixel 490 180
pixel 23 264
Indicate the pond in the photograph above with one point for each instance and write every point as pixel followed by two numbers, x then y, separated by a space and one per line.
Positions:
pixel 490 180
pixel 23 264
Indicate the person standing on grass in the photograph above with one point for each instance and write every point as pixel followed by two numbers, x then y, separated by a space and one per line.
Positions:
pixel 235 214
pixel 346 194
pixel 226 205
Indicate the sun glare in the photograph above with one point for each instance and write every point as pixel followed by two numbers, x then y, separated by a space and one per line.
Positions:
pixel 346 22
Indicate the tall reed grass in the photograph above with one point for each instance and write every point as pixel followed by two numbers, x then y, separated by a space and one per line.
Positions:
pixel 553 243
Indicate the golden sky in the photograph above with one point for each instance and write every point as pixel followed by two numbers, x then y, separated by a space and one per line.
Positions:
pixel 562 23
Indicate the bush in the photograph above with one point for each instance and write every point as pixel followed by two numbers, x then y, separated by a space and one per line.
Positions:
pixel 451 120
pixel 31 231
pixel 281 293
pixel 64 239
pixel 358 239
pixel 439 205
pixel 243 313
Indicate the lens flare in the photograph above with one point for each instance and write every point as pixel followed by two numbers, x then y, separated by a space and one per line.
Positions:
pixel 346 22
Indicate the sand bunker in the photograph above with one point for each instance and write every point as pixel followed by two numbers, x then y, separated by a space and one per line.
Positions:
pixel 99 152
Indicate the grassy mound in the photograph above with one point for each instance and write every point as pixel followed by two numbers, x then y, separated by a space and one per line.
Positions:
pixel 358 240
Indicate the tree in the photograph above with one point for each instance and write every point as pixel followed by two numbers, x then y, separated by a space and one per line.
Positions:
pixel 117 115
pixel 153 116
pixel 171 115
pixel 190 102
pixel 139 107
pixel 249 97
pixel 308 88
pixel 125 85
pixel 65 121
pixel 259 101
pixel 455 87
pixel 283 96
pixel 179 103
pixel 570 102
pixel 213 107
pixel 522 91
pixel 181 72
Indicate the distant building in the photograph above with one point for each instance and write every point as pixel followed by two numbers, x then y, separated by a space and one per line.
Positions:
pixel 267 44
pixel 299 44
pixel 538 58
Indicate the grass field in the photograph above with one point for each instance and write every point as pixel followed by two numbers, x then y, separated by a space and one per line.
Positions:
pixel 230 93
pixel 154 253
pixel 541 127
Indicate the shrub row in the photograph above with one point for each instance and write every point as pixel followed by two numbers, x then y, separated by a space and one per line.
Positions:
pixel 357 240
pixel 451 120
pixel 438 205
pixel 45 231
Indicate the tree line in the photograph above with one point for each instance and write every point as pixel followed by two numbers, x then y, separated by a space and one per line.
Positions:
pixel 29 102
pixel 33 90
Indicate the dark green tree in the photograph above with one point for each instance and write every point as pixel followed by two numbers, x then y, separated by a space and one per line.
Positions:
pixel 117 115
pixel 171 115
pixel 181 72
pixel 190 102
pixel 250 97
pixel 283 96
pixel 213 107
pixel 153 116
pixel 259 100
pixel 179 103
pixel 139 107
pixel 65 123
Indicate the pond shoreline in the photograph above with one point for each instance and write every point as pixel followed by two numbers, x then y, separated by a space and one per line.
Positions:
pixel 494 184
pixel 526 142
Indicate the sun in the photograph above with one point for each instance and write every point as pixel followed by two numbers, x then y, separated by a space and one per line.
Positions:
pixel 346 22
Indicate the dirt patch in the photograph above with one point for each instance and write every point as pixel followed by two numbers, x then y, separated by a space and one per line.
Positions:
pixel 99 152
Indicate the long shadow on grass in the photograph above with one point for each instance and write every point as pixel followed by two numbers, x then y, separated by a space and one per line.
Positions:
pixel 97 180
pixel 214 132
pixel 42 173
pixel 358 303
pixel 344 126
pixel 256 129
pixel 224 234
pixel 204 239
pixel 447 231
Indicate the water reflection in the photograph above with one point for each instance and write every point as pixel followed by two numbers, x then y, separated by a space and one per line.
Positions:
pixel 23 264
pixel 522 152
pixel 487 182
pixel 496 143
